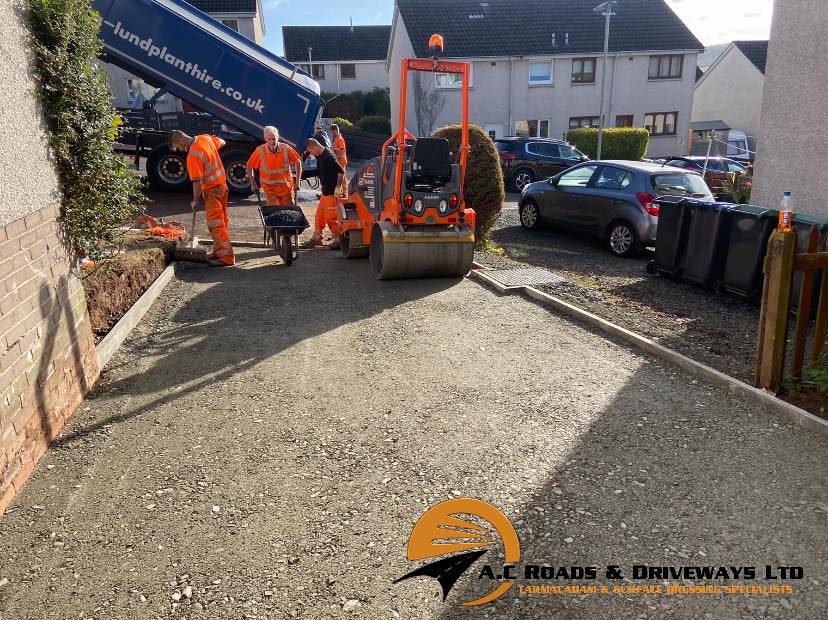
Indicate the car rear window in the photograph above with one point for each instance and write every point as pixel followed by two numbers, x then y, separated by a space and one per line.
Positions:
pixel 503 147
pixel 680 184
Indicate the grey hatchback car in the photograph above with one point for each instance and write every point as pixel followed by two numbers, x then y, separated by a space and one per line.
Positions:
pixel 613 200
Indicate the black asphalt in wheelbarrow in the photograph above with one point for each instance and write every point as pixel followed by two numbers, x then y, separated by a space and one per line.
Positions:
pixel 282 227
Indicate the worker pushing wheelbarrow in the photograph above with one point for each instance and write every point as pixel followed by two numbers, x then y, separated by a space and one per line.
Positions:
pixel 282 227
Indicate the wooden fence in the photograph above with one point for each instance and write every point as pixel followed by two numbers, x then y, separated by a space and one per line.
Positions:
pixel 782 264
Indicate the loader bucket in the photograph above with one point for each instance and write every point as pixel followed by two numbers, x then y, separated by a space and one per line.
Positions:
pixel 424 252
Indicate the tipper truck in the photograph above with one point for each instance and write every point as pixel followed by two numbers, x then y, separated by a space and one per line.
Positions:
pixel 180 50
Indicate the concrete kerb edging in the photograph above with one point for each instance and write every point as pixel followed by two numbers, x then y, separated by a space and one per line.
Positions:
pixel 116 336
pixel 738 388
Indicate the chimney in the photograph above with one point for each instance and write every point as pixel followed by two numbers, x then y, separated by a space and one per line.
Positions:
pixel 566 40
pixel 554 44
pixel 352 23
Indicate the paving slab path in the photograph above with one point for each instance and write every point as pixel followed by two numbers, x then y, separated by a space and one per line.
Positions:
pixel 266 439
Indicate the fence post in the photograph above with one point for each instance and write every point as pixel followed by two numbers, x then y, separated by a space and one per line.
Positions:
pixel 773 319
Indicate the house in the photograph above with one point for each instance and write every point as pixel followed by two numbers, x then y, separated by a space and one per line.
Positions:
pixel 244 16
pixel 792 136
pixel 536 66
pixel 731 90
pixel 343 59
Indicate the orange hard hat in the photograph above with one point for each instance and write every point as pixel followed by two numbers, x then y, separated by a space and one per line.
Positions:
pixel 436 42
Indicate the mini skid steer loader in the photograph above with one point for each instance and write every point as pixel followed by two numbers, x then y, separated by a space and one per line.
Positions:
pixel 406 210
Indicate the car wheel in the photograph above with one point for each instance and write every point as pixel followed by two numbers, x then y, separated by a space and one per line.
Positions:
pixel 522 178
pixel 529 214
pixel 622 238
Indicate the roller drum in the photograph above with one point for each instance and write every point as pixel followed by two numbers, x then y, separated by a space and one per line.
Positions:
pixel 428 252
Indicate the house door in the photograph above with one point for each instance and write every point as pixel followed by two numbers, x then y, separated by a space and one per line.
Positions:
pixel 494 131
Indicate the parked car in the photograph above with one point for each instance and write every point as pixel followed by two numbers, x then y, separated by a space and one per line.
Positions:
pixel 609 199
pixel 719 169
pixel 526 160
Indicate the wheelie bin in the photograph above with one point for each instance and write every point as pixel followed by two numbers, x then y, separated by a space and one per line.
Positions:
pixel 707 241
pixel 671 237
pixel 751 227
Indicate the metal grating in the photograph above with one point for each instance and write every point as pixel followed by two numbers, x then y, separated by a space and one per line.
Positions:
pixel 513 278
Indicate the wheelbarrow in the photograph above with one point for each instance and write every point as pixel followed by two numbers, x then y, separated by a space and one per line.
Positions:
pixel 282 227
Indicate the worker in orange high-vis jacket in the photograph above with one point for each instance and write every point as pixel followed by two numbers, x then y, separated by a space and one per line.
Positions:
pixel 339 150
pixel 331 175
pixel 273 161
pixel 210 184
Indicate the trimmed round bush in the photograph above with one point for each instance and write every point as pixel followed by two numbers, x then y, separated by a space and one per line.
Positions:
pixel 342 122
pixel 375 124
pixel 616 143
pixel 483 190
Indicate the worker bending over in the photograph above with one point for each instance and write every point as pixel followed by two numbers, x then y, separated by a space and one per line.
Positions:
pixel 273 160
pixel 341 155
pixel 331 175
pixel 209 183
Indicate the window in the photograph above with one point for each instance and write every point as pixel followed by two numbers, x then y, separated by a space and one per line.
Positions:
pixel 613 178
pixel 583 70
pixel 232 24
pixel 624 120
pixel 661 123
pixel 547 149
pixel 583 121
pixel 318 72
pixel 451 80
pixel 536 128
pixel 680 184
pixel 665 67
pixel 732 166
pixel 540 73
pixel 567 152
pixel 347 71
pixel 579 177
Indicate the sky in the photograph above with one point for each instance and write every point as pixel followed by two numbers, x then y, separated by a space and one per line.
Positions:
pixel 712 21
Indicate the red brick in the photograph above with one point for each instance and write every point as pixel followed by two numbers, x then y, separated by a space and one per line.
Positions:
pixel 6 497
pixel 9 248
pixel 16 228
pixel 23 475
pixel 33 220
pixel 21 419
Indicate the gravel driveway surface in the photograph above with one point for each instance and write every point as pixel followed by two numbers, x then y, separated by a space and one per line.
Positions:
pixel 714 329
pixel 266 439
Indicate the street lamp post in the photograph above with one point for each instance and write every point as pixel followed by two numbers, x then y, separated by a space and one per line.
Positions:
pixel 605 9
pixel 310 61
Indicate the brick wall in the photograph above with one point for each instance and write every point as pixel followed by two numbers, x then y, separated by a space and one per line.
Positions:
pixel 47 349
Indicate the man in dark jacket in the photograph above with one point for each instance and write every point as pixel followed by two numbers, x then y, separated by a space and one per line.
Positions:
pixel 331 173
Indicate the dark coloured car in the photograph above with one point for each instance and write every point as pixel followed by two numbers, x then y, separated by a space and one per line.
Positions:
pixel 719 169
pixel 526 160
pixel 609 199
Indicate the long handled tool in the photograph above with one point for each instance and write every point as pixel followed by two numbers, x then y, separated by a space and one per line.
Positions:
pixel 192 253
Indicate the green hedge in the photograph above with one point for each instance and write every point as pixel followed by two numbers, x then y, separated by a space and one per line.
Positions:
pixel 342 122
pixel 375 124
pixel 617 142
pixel 483 190
pixel 99 191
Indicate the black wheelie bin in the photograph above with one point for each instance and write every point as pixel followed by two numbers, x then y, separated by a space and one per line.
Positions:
pixel 704 260
pixel 671 237
pixel 751 227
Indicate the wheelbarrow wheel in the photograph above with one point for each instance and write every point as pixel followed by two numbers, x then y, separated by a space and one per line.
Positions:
pixel 286 248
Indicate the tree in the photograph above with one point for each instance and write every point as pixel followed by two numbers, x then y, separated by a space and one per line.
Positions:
pixel 428 103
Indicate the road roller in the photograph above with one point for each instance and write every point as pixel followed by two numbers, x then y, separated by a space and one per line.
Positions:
pixel 406 210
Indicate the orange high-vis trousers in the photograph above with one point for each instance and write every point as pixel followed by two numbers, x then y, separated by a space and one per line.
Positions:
pixel 326 215
pixel 215 212
pixel 278 195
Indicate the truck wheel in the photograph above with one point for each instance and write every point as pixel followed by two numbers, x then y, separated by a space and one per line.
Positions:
pixel 235 163
pixel 167 170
